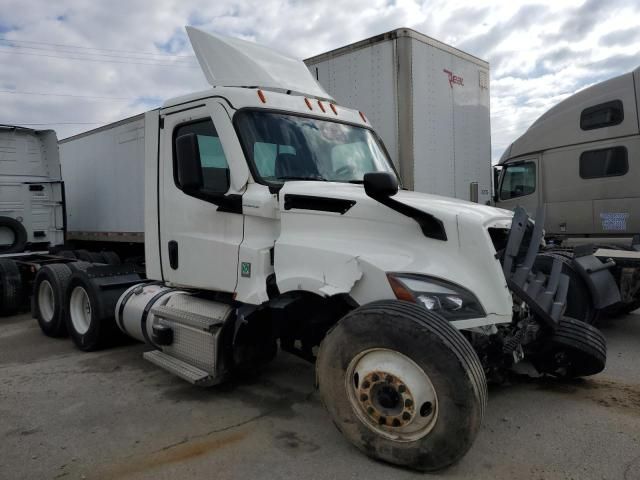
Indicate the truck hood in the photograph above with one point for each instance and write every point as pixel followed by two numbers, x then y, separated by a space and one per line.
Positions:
pixel 444 208
pixel 334 238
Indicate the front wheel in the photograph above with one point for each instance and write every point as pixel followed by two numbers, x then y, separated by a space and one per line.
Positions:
pixel 402 385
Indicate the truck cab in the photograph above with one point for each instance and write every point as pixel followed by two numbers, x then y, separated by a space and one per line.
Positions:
pixel 31 190
pixel 580 162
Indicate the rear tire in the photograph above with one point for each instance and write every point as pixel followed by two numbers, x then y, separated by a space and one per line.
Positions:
pixel 49 292
pixel 11 291
pixel 111 258
pixel 402 385
pixel 575 349
pixel 89 320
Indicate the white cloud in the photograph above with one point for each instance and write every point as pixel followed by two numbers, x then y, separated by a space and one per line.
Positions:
pixel 539 52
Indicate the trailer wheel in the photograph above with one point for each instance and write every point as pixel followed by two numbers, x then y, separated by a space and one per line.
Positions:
pixel 111 258
pixel 88 325
pixel 11 291
pixel 66 254
pixel 12 235
pixel 579 304
pixel 402 385
pixel 49 290
pixel 575 349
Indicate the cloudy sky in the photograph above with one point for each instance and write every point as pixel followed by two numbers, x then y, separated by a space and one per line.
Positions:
pixel 74 65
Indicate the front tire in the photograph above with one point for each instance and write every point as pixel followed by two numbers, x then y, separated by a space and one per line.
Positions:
pixel 402 385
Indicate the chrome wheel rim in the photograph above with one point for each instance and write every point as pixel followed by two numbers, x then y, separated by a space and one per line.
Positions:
pixel 391 394
pixel 46 301
pixel 80 310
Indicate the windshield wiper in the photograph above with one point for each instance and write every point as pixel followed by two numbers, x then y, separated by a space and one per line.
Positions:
pixel 315 177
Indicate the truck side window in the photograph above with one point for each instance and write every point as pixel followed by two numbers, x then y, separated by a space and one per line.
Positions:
pixel 602 115
pixel 518 180
pixel 215 169
pixel 606 162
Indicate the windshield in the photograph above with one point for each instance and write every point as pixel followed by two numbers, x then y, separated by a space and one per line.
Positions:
pixel 285 147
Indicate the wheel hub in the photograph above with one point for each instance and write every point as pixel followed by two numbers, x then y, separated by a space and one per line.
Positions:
pixel 391 394
pixel 386 399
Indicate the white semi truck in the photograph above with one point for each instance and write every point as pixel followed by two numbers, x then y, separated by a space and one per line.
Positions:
pixel 31 190
pixel 273 218
pixel 580 162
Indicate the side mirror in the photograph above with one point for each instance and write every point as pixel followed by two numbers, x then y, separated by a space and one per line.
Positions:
pixel 380 184
pixel 496 182
pixel 188 162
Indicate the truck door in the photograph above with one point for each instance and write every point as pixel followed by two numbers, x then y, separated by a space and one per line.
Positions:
pixel 200 230
pixel 519 185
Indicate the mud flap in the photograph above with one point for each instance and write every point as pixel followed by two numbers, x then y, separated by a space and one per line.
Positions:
pixel 546 295
pixel 602 286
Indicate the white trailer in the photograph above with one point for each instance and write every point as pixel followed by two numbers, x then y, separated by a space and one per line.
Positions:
pixel 31 190
pixel 428 101
pixel 103 170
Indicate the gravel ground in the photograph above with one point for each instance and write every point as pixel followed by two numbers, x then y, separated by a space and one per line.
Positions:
pixel 111 415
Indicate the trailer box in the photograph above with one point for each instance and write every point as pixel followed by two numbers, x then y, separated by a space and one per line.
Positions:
pixel 103 171
pixel 428 101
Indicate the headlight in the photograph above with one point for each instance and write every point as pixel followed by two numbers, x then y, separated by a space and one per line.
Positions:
pixel 448 299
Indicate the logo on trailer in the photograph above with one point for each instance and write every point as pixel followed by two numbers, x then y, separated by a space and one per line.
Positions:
pixel 453 78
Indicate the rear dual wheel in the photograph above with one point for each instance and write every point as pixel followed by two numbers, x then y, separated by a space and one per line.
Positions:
pixel 11 291
pixel 402 385
pixel 49 289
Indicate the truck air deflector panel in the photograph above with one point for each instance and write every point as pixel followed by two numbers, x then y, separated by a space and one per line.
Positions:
pixel 545 295
pixel 322 204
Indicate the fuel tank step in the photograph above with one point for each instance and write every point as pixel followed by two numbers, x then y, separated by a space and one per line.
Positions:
pixel 182 369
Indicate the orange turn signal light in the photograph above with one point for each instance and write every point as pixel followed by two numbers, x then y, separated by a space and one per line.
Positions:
pixel 308 102
pixel 321 106
pixel 261 96
pixel 333 107
pixel 400 291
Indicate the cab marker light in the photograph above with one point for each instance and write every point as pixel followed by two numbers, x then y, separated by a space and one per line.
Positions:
pixel 363 117
pixel 321 106
pixel 261 96
pixel 333 107
pixel 308 102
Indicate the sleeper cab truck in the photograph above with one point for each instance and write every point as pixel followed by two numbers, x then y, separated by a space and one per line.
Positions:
pixel 580 162
pixel 31 190
pixel 273 219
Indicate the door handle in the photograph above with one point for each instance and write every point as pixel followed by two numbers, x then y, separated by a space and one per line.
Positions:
pixel 173 254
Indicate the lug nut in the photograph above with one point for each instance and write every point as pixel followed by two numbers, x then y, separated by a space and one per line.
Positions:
pixel 370 410
pixel 396 422
pixel 408 403
pixel 364 397
pixel 366 384
pixel 382 421
pixel 375 378
pixel 402 388
pixel 389 379
pixel 406 416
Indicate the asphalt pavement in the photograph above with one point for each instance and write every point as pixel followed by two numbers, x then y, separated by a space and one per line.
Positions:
pixel 65 414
